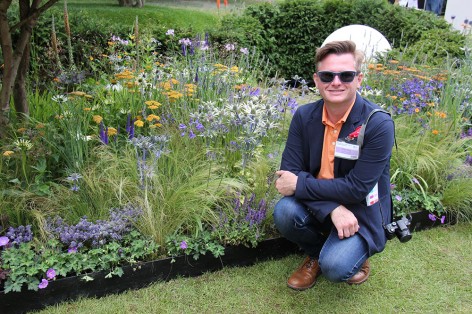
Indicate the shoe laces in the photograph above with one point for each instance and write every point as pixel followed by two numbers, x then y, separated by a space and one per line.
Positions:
pixel 310 263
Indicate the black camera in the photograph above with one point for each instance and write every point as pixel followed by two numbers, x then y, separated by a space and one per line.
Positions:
pixel 400 229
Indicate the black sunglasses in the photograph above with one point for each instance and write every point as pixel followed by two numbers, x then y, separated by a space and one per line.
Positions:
pixel 328 76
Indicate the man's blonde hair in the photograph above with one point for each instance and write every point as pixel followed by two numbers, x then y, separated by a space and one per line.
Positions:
pixel 340 47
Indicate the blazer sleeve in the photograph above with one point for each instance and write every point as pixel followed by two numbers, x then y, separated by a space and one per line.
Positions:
pixel 355 185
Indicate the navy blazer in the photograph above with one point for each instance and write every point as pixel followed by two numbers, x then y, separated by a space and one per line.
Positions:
pixel 353 179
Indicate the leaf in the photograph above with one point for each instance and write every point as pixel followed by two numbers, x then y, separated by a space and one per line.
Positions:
pixel 118 271
pixel 87 278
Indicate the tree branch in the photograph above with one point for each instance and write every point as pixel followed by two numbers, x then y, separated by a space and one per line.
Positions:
pixel 34 13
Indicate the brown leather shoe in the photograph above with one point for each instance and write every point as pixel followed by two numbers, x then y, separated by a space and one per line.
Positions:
pixel 361 276
pixel 305 276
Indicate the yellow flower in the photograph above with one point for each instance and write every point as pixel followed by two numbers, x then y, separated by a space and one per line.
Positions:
pixel 91 58
pixel 435 132
pixel 112 131
pixel 21 130
pixel 77 93
pixel 97 119
pixel 152 117
pixel 8 153
pixel 393 61
pixel 234 69
pixel 158 125
pixel 139 123
pixel 87 109
pixel 150 103
pixel 417 110
pixel 153 107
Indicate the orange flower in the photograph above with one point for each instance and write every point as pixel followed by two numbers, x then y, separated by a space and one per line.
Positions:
pixel 139 123
pixel 435 132
pixel 417 110
pixel 97 119
pixel 8 153
pixel 112 131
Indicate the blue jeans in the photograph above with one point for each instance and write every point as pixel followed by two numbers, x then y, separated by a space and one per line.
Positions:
pixel 434 6
pixel 339 259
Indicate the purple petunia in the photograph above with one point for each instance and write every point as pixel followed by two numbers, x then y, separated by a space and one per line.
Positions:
pixel 183 245
pixel 4 241
pixel 43 284
pixel 51 273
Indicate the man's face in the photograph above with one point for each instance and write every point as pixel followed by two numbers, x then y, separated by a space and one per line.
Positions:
pixel 338 93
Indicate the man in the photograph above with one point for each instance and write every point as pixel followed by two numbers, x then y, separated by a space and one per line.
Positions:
pixel 324 208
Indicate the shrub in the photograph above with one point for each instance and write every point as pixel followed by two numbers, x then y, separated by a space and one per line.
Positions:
pixel 293 29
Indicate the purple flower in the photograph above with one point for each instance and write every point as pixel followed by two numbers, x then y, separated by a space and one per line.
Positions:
pixel 51 273
pixel 4 241
pixel 191 135
pixel 43 284
pixel 229 47
pixel 415 181
pixel 443 219
pixel 432 217
pixel 398 198
pixel 244 51
pixel 183 245
pixel 72 250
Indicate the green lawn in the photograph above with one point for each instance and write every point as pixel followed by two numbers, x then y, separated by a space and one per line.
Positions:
pixel 429 274
pixel 150 16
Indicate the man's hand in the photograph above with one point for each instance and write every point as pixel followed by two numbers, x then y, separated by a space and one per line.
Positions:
pixel 344 221
pixel 286 183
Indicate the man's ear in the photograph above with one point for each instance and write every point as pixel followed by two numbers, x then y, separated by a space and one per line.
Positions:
pixel 360 77
pixel 314 78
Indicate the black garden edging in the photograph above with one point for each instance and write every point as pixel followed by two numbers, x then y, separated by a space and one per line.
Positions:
pixel 420 221
pixel 71 288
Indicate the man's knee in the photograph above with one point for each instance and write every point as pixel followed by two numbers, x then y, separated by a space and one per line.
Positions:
pixel 286 213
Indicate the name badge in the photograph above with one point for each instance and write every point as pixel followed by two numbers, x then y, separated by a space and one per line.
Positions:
pixel 373 196
pixel 346 150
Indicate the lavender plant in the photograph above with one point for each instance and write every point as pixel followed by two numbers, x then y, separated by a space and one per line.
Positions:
pixel 94 234
pixel 244 224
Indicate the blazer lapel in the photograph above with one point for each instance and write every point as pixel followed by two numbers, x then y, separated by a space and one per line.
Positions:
pixel 354 120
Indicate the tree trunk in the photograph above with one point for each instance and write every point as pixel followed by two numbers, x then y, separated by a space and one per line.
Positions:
pixel 20 94
pixel 16 61
pixel 131 3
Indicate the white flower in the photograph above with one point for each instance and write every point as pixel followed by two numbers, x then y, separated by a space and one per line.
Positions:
pixel 60 98
pixel 23 144
pixel 170 32
pixel 244 51
pixel 114 87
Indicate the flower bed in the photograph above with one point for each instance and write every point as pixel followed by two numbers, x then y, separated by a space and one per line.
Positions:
pixel 141 275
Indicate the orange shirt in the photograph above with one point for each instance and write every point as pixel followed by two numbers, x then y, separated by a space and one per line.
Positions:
pixel 329 143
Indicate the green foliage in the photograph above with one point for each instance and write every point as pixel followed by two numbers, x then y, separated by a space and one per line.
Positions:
pixel 194 246
pixel 28 263
pixel 409 201
pixel 292 30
